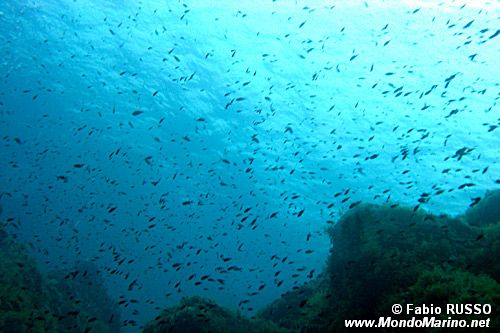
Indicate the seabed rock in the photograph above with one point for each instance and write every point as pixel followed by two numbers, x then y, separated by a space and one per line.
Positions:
pixel 380 255
pixel 199 315
pixel 32 301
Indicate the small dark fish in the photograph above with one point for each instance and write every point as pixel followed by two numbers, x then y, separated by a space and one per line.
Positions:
pixel 137 112
pixel 468 24
pixel 465 185
pixel 354 204
pixel 448 80
pixel 495 34
pixel 475 201
pixel 132 284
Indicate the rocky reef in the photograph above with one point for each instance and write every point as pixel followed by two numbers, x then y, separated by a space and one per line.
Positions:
pixel 199 315
pixel 380 255
pixel 64 301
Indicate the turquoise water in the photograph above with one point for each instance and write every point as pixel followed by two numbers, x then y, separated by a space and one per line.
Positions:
pixel 219 138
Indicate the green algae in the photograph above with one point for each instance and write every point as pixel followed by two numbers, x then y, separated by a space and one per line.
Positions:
pixel 382 255
pixel 32 301
pixel 199 315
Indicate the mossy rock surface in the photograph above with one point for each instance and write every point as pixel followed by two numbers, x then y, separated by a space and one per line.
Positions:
pixel 31 301
pixel 199 315
pixel 380 255
pixel 384 254
pixel 486 212
pixel 442 286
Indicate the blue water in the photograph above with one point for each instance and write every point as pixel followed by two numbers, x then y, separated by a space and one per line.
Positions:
pixel 188 137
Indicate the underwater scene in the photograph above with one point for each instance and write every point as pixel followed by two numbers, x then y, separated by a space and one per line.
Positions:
pixel 249 166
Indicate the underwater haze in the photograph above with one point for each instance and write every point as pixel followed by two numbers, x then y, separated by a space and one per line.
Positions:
pixel 203 147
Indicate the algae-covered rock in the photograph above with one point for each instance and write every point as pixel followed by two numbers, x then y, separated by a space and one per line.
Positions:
pixel 81 292
pixel 382 250
pixel 199 315
pixel 442 286
pixel 484 255
pixel 23 298
pixel 487 211
pixel 31 301
pixel 302 309
pixel 380 254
